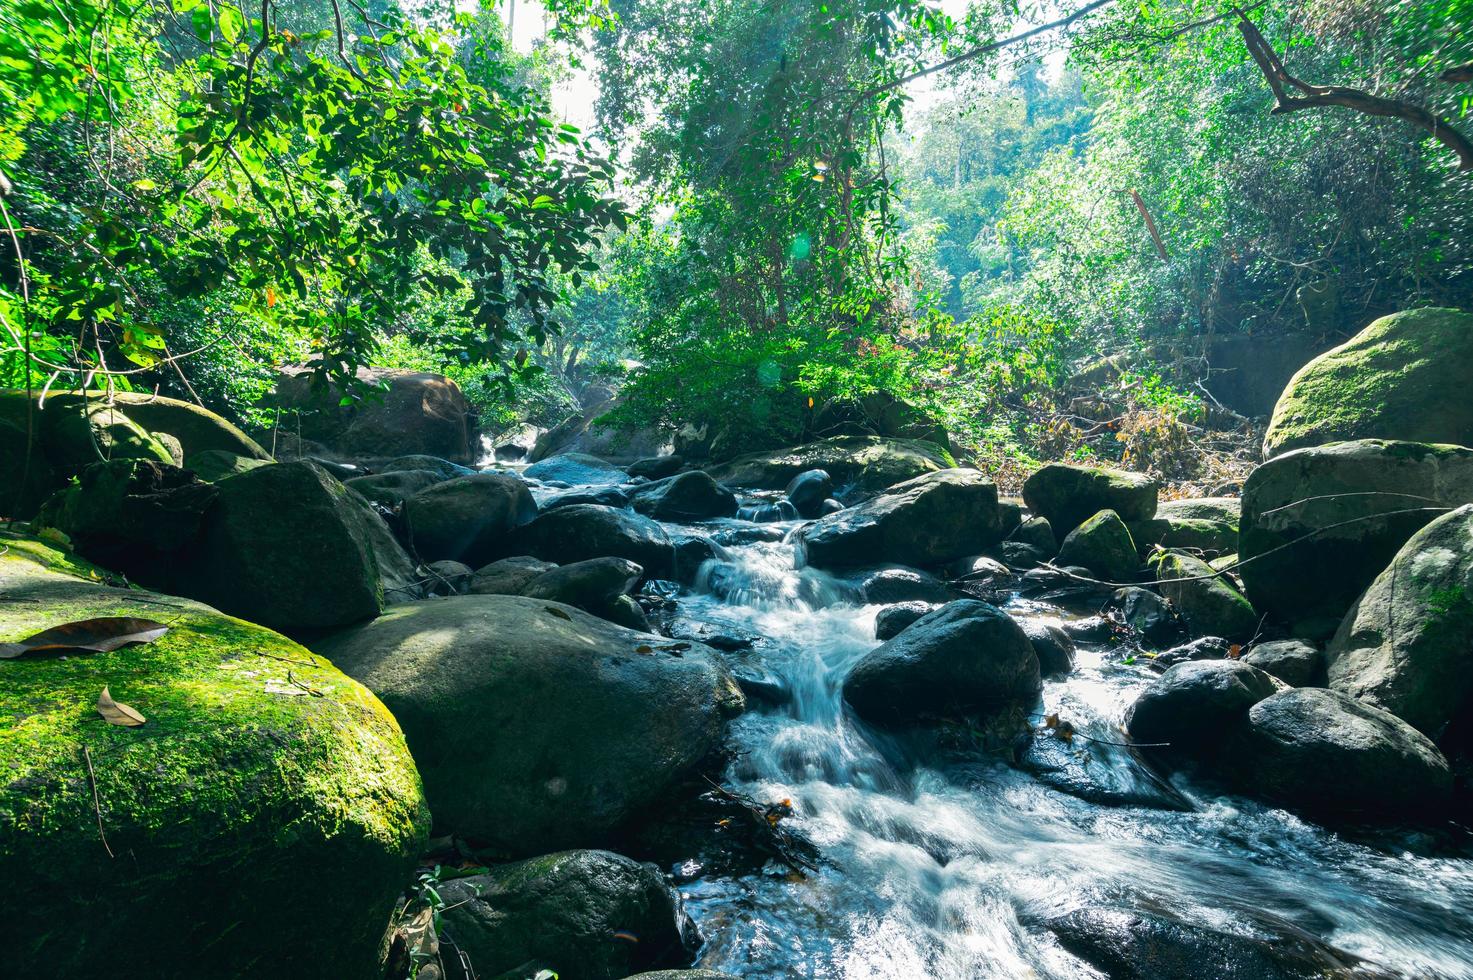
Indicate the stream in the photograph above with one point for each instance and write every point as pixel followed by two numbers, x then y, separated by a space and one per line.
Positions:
pixel 948 865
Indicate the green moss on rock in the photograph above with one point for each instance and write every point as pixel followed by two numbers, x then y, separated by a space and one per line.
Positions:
pixel 870 463
pixel 262 821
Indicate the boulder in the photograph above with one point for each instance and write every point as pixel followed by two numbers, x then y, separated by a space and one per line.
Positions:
pixel 1036 532
pixel 1207 538
pixel 197 429
pixel 1054 647
pixel 442 468
pixel 1406 646
pixel 1206 599
pixel 259 765
pixel 566 913
pixel 412 412
pixel 965 659
pixel 592 430
pixel 509 452
pixel 289 547
pixel 214 465
pixel 925 521
pixel 1147 613
pixel 468 519
pixel 1067 495
pixel 1218 510
pixel 392 489
pixel 1192 704
pixel 590 585
pixel 1202 648
pixel 69 432
pixel 29 476
pixel 691 552
pixel 605 496
pixel 691 496
pixel 583 531
pixel 1294 662
pixel 864 464
pixel 509 576
pixel 576 469
pixel 1331 756
pixel 1396 379
pixel 1103 545
pixel 892 619
pixel 535 725
pixel 1320 524
pixel 890 585
pixel 807 492
pixel 981 572
pixel 656 467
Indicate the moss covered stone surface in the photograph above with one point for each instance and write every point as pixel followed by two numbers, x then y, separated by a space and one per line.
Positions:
pixel 263 820
pixel 1403 377
pixel 869 463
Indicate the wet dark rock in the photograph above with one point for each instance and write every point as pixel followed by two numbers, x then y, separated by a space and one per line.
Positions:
pixel 890 585
pixel 965 659
pixel 1294 662
pixel 1202 648
pixel 509 452
pixel 691 496
pixel 982 571
pixel 1089 629
pixel 830 506
pixel 762 687
pixel 337 470
pixel 1066 495
pixel 770 513
pixel 1193 703
pixel 1053 646
pixel 1129 945
pixel 443 468
pixel 214 465
pixel 624 610
pixel 932 519
pixel 892 619
pixel 582 531
pixel 1103 545
pixel 866 464
pixel 576 469
pixel 1038 532
pixel 691 552
pixel 1019 555
pixel 448 578
pixel 656 467
pixel 1207 601
pixel 1108 775
pixel 1333 757
pixel 566 912
pixel 468 519
pixel 586 584
pixel 732 535
pixel 534 724
pixel 808 491
pixel 1147 613
pixel 509 576
pixel 608 496
pixel 392 489
pixel 724 638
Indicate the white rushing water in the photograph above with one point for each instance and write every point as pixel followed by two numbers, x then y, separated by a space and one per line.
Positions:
pixel 950 872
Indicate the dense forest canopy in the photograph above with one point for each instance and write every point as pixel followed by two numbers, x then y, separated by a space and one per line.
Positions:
pixel 778 203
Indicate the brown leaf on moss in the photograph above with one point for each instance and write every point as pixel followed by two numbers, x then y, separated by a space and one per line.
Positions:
pixel 117 713
pixel 101 635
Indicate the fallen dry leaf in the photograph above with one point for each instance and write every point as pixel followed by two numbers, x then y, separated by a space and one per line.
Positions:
pixel 101 635
pixel 117 713
pixel 558 613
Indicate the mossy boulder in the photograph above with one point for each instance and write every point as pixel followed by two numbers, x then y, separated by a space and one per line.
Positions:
pixel 1320 524
pixel 214 465
pixel 929 520
pixel 467 519
pixel 1068 495
pixel 691 496
pixel 392 489
pixel 537 726
pixel 1207 526
pixel 290 547
pixel 197 429
pixel 1406 646
pixel 1206 599
pixel 1402 377
pixel 263 820
pixel 1103 545
pixel 413 412
pixel 860 466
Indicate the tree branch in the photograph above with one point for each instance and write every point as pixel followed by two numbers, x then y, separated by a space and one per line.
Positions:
pixel 1315 96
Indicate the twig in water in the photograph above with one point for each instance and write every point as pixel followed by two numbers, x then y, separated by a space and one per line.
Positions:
pixel 96 803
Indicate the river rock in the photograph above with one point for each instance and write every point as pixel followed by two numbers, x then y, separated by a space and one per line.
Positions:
pixel 1343 511
pixel 926 521
pixel 392 489
pixel 891 585
pixel 214 465
pixel 981 571
pixel 691 496
pixel 1103 545
pixel 1406 646
pixel 583 531
pixel 965 659
pixel 656 467
pixel 1206 600
pixel 1147 613
pixel 1054 647
pixel 536 725
pixel 576 469
pixel 1294 662
pixel 691 552
pixel 590 585
pixel 1038 533
pixel 289 547
pixel 892 619
pixel 565 913
pixel 1332 756
pixel 259 765
pixel 415 412
pixel 1202 648
pixel 443 468
pixel 864 464
pixel 1399 378
pixel 1207 538
pixel 1191 704
pixel 808 490
pixel 593 431
pixel 509 576
pixel 1067 495
pixel 468 519
pixel 605 496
